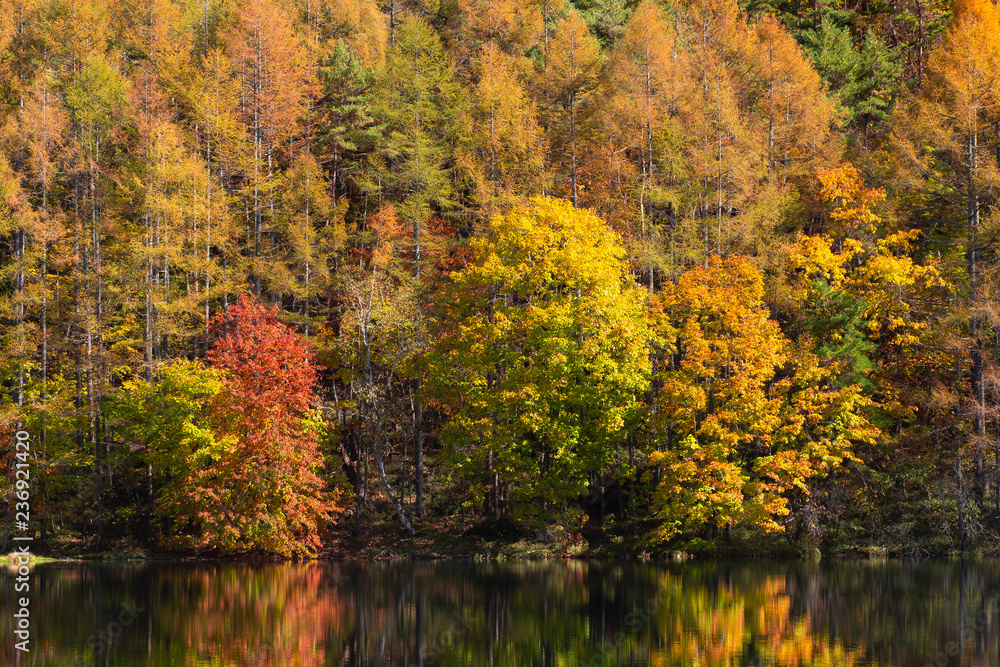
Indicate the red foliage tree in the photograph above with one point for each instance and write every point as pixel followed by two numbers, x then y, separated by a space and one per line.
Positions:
pixel 273 495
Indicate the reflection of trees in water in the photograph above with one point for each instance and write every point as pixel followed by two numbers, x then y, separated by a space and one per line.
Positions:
pixel 551 613
pixel 834 613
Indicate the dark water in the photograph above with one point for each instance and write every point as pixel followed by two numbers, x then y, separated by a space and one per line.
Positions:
pixel 559 614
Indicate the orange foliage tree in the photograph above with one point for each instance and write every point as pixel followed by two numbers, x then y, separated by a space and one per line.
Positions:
pixel 265 492
pixel 748 420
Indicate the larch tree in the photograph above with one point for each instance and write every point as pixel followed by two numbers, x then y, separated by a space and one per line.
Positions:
pixel 16 225
pixel 312 229
pixel 727 154
pixel 571 75
pixel 96 99
pixel 649 92
pixel 213 96
pixel 950 147
pixel 507 140
pixel 358 25
pixel 513 25
pixel 797 115
pixel 37 135
pixel 266 54
pixel 423 108
pixel 182 218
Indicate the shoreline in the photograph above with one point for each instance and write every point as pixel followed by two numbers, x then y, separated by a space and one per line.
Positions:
pixel 482 550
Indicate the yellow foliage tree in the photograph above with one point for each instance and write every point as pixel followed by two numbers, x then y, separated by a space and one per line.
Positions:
pixel 542 359
pixel 850 205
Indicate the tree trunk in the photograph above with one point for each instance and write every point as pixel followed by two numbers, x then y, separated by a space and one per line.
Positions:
pixel 392 496
pixel 418 446
pixel 977 353
pixel 572 138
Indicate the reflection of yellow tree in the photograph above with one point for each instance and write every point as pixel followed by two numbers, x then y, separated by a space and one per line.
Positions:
pixel 727 625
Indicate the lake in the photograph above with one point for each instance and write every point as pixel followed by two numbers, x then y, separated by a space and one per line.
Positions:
pixel 553 613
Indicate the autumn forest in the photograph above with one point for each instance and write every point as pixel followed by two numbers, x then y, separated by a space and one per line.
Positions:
pixel 645 277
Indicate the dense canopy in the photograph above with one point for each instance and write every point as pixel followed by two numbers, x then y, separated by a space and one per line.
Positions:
pixel 660 274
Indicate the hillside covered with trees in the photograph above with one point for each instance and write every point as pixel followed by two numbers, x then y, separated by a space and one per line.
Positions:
pixel 667 275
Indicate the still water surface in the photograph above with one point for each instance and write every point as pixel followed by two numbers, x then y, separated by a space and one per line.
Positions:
pixel 565 614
